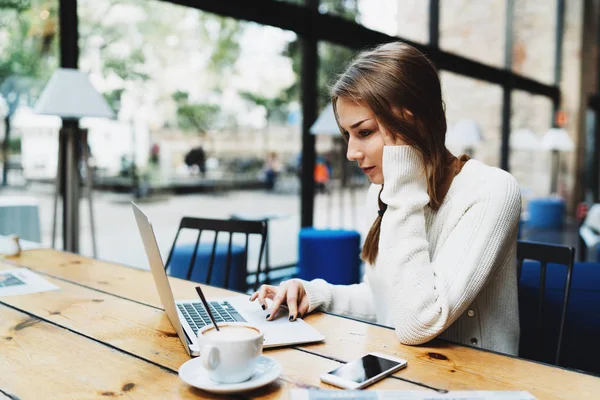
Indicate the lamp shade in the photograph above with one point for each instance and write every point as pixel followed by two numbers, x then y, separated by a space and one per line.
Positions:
pixel 557 139
pixel 465 134
pixel 69 94
pixel 524 139
pixel 326 123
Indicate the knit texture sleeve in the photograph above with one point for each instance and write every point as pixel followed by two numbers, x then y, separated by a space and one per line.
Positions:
pixel 427 296
pixel 351 300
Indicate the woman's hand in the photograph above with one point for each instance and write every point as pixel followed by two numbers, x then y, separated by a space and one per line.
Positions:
pixel 290 293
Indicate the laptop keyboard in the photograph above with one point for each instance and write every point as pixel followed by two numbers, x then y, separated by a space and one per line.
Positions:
pixel 197 317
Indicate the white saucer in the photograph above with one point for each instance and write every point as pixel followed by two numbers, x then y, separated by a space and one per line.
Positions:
pixel 193 373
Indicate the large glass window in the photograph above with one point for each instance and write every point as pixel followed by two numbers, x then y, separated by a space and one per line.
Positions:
pixel 339 202
pixel 473 112
pixel 412 18
pixel 29 54
pixel 529 163
pixel 405 18
pixel 474 29
pixel 534 30
pixel 28 57
pixel 207 108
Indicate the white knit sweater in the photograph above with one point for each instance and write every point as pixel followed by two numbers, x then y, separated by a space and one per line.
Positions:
pixel 449 273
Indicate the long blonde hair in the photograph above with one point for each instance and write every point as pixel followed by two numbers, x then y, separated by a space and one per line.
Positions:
pixel 402 88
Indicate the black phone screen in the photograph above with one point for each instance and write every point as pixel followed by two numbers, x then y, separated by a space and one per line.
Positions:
pixel 364 369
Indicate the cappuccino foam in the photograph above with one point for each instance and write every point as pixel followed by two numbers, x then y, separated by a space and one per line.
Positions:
pixel 230 332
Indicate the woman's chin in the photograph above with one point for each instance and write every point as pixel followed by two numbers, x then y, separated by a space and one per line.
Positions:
pixel 376 180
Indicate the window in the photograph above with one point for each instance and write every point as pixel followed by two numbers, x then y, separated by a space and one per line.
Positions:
pixel 529 163
pixel 474 29
pixel 340 185
pixel 206 105
pixel 473 104
pixel 412 18
pixel 378 15
pixel 534 30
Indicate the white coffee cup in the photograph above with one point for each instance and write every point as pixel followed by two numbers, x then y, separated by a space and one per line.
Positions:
pixel 230 355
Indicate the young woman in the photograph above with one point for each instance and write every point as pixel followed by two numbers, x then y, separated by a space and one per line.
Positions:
pixel 441 253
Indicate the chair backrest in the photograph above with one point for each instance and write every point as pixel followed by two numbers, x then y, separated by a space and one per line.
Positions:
pixel 545 253
pixel 226 226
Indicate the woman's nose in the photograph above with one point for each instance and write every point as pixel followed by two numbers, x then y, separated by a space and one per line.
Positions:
pixel 353 153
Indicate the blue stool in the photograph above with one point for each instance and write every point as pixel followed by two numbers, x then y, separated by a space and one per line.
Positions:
pixel 546 213
pixel 182 255
pixel 329 254
pixel 582 322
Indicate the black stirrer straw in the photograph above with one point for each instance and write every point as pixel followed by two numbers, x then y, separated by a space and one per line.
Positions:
pixel 199 290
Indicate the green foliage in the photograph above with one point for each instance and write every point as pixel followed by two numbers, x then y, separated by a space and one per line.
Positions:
pixel 113 98
pixel 276 108
pixel 127 68
pixel 224 33
pixel 227 47
pixel 29 55
pixel 343 8
pixel 14 145
pixel 197 117
pixel 17 5
pixel 181 97
pixel 32 45
pixel 97 34
pixel 332 58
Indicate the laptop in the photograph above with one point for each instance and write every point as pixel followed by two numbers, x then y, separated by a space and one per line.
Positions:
pixel 189 316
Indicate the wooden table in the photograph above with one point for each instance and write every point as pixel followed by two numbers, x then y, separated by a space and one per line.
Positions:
pixel 104 335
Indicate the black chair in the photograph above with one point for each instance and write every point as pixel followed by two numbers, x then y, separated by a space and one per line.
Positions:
pixel 227 226
pixel 546 253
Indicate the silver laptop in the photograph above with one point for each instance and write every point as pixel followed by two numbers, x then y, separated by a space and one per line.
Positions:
pixel 189 316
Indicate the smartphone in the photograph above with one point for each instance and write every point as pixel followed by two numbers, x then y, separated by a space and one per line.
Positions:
pixel 363 372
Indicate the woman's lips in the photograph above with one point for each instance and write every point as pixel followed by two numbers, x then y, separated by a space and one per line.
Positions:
pixel 367 170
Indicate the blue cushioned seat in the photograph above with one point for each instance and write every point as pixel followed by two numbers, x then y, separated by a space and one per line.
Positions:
pixel 329 254
pixel 546 213
pixel 581 340
pixel 182 255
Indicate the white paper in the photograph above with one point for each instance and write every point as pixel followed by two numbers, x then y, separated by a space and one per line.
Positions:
pixel 304 394
pixel 23 281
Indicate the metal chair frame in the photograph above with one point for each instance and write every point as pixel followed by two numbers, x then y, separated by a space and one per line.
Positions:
pixel 547 253
pixel 230 226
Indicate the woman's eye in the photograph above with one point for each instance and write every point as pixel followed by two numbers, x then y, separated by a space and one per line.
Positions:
pixel 365 132
pixel 346 135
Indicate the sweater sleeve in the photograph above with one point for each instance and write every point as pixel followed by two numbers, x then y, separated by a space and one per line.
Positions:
pixel 426 296
pixel 351 300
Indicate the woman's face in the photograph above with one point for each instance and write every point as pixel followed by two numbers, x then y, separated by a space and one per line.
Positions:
pixel 364 137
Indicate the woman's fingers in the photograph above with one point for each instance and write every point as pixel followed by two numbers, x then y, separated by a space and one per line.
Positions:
pixel 303 306
pixel 292 302
pixel 288 294
pixel 279 298
pixel 296 300
pixel 264 292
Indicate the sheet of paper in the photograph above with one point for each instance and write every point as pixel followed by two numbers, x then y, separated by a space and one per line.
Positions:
pixel 23 281
pixel 304 394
